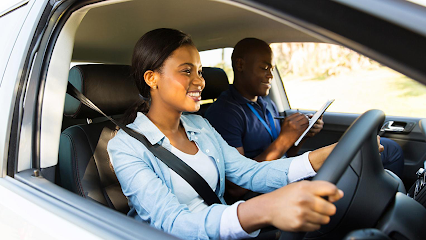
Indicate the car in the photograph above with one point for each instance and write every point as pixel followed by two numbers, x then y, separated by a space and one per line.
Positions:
pixel 55 180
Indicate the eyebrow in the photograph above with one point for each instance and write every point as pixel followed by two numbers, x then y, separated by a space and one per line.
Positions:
pixel 190 64
pixel 267 63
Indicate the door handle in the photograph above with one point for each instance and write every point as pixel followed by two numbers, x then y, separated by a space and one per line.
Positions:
pixel 387 127
pixel 397 127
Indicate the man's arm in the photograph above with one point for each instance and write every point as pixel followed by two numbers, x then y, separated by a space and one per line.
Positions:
pixel 316 128
pixel 291 129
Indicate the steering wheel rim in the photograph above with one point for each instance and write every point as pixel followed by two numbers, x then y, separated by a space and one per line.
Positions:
pixel 349 144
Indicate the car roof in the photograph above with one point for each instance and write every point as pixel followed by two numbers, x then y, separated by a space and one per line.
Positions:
pixel 212 24
pixel 390 32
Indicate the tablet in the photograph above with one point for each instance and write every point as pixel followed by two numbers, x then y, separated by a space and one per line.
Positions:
pixel 314 118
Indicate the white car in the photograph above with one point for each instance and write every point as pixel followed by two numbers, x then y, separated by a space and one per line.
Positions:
pixel 55 180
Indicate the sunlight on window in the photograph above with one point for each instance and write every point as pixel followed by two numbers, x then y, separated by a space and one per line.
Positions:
pixel 315 72
pixel 220 58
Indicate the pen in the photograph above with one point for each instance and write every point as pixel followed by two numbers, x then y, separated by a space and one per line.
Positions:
pixel 279 117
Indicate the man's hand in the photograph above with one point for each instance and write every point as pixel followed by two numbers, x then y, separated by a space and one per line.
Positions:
pixel 293 126
pixel 316 128
pixel 381 148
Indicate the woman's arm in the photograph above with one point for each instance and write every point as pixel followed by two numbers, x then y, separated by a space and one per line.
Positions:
pixel 142 180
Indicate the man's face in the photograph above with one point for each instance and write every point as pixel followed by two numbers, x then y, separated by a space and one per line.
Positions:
pixel 257 72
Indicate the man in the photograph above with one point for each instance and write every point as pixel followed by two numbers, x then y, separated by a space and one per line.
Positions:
pixel 245 118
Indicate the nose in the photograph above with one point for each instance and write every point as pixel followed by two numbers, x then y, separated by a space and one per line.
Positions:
pixel 199 82
pixel 269 73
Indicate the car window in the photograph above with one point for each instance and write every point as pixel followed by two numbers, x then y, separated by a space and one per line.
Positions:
pixel 220 58
pixel 314 72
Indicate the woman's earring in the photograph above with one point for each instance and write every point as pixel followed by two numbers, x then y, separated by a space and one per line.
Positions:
pixel 154 87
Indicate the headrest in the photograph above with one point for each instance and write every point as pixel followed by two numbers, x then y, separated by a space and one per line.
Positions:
pixel 110 87
pixel 216 82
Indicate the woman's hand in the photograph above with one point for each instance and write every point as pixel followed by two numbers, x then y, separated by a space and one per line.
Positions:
pixel 296 207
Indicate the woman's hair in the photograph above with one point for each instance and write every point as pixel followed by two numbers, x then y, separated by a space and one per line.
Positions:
pixel 150 53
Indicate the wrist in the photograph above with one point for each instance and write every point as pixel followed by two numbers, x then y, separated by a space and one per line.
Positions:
pixel 285 140
pixel 254 214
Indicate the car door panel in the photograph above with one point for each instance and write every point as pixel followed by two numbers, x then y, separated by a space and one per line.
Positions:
pixel 411 139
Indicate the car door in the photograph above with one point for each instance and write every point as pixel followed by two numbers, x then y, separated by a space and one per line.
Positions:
pixel 32 206
pixel 396 94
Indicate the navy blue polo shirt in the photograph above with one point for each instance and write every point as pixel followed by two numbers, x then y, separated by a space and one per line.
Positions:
pixel 238 125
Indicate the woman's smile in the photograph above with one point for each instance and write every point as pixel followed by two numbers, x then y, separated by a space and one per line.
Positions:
pixel 195 95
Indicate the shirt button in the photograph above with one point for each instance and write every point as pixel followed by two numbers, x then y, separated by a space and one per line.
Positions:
pixel 207 151
pixel 192 133
pixel 196 137
pixel 217 160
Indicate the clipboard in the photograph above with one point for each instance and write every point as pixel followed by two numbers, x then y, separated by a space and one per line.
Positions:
pixel 314 118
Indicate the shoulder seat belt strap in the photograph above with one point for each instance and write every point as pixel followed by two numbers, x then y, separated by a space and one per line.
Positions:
pixel 172 161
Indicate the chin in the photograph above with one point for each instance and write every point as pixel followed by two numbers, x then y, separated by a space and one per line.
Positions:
pixel 264 94
pixel 193 109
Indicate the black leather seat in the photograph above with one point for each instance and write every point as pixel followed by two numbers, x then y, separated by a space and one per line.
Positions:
pixel 216 83
pixel 84 166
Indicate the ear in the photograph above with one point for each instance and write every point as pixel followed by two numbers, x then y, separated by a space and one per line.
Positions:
pixel 150 78
pixel 240 64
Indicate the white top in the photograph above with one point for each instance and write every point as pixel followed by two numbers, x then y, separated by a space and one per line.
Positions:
pixel 230 227
pixel 205 167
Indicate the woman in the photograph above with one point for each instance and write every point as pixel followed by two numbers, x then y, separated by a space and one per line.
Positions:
pixel 167 70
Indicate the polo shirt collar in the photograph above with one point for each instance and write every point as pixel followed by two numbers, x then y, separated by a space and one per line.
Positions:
pixel 242 100
pixel 151 131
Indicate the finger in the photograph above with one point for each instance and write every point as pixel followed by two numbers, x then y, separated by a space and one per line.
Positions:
pixel 294 115
pixel 334 198
pixel 317 218
pixel 323 206
pixel 302 118
pixel 324 189
pixel 309 227
pixel 319 121
pixel 316 129
pixel 381 148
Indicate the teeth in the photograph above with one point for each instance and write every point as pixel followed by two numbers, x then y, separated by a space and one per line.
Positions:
pixel 194 94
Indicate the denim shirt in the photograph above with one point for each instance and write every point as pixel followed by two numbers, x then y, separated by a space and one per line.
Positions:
pixel 146 181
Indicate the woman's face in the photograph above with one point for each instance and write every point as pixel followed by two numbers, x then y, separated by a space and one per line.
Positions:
pixel 180 82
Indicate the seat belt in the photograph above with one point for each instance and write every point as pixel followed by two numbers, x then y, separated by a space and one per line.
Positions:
pixel 172 161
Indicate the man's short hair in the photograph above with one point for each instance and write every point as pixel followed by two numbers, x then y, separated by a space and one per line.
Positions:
pixel 248 46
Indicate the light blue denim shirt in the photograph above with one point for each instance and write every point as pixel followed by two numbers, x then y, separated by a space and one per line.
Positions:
pixel 146 181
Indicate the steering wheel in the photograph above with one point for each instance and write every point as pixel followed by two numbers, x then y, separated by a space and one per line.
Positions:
pixel 355 166
pixel 362 131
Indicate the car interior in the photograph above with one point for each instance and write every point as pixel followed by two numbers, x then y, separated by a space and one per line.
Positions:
pixel 73 138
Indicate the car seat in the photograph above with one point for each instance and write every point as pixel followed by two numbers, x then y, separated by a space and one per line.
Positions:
pixel 216 82
pixel 83 165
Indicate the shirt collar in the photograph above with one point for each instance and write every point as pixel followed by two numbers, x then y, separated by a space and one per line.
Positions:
pixel 242 100
pixel 153 134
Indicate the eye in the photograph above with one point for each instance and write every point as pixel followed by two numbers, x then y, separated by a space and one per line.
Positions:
pixel 200 73
pixel 187 71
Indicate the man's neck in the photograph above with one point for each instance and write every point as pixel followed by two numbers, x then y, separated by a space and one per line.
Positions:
pixel 244 93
